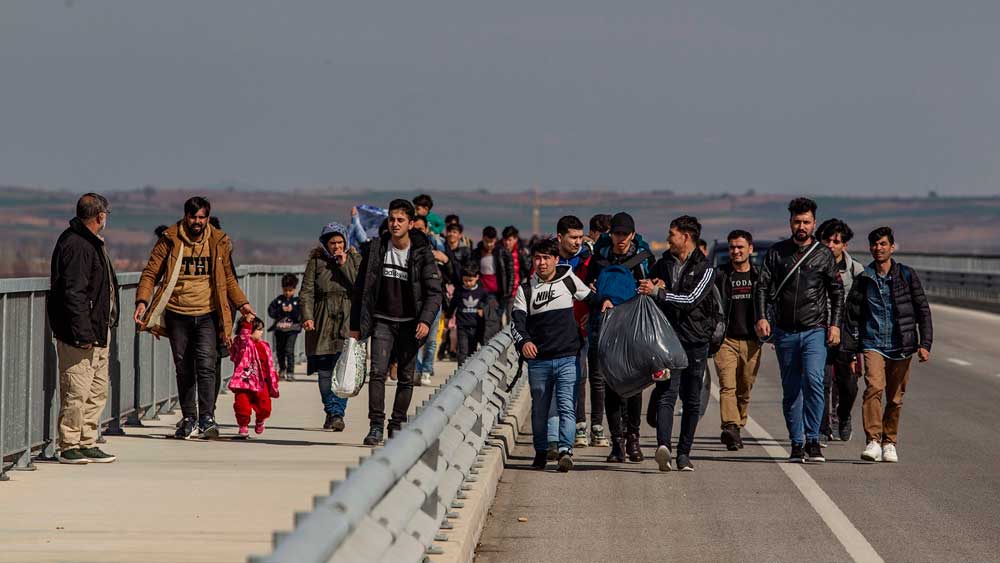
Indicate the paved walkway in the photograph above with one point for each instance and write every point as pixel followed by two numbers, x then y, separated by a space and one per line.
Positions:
pixel 192 501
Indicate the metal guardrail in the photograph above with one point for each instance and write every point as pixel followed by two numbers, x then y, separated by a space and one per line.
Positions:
pixel 391 507
pixel 142 377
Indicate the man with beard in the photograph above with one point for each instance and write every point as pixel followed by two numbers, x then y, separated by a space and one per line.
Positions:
pixel 800 285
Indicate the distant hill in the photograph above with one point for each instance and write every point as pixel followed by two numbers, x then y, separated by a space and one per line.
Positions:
pixel 272 227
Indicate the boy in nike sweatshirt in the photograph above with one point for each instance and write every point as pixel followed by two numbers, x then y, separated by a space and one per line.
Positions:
pixel 545 333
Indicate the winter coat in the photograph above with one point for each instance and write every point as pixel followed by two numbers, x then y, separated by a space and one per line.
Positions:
pixel 812 298
pixel 691 307
pixel 847 343
pixel 504 264
pixel 83 285
pixel 913 312
pixel 457 259
pixel 326 300
pixel 276 310
pixel 163 268
pixel 604 257
pixel 424 275
pixel 254 371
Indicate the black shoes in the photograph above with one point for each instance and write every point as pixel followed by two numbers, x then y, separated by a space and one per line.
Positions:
pixel 374 436
pixel 95 455
pixel 186 428
pixel 565 462
pixel 798 454
pixel 845 430
pixel 731 437
pixel 541 458
pixel 814 452
pixel 617 454
pixel 334 422
pixel 209 429
pixel 739 438
pixel 632 449
pixel 684 463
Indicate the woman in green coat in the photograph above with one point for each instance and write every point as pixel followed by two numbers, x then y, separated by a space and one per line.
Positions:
pixel 326 313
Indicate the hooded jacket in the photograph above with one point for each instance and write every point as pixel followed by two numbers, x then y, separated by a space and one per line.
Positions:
pixel 912 311
pixel 83 288
pixel 163 268
pixel 543 314
pixel 504 264
pixel 812 298
pixel 424 275
pixel 688 302
pixel 254 370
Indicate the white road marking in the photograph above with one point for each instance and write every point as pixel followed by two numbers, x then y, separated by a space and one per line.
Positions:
pixel 850 537
pixel 959 362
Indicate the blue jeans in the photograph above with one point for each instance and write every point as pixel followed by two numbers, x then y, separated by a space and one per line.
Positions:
pixel 552 424
pixel 332 404
pixel 425 357
pixel 548 378
pixel 802 361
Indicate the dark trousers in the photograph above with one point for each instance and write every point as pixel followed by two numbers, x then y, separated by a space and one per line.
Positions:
pixel 598 394
pixel 392 341
pixel 284 350
pixel 193 343
pixel 840 388
pixel 468 340
pixel 687 385
pixel 617 419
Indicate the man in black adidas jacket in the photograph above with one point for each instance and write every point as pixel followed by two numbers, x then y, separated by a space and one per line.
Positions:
pixel 397 296
pixel 681 284
pixel 807 310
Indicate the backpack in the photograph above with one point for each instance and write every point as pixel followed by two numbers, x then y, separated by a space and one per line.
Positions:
pixel 617 283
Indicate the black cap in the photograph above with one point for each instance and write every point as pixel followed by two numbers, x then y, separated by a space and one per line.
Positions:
pixel 622 223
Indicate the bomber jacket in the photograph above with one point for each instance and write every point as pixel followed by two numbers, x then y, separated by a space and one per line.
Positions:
pixel 912 311
pixel 812 298
pixel 424 275
pixel 688 303
pixel 83 288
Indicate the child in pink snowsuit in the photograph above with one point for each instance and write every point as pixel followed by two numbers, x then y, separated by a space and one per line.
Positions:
pixel 254 383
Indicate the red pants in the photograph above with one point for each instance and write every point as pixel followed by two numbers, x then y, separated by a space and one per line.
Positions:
pixel 244 401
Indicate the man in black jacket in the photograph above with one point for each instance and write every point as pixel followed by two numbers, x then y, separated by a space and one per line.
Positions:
pixel 738 359
pixel 801 282
pixel 496 267
pixel 397 296
pixel 889 313
pixel 681 284
pixel 83 308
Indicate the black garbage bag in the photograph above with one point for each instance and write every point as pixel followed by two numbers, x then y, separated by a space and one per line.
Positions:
pixel 637 341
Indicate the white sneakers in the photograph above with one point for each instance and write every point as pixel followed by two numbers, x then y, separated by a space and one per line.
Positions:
pixel 663 458
pixel 873 452
pixel 425 379
pixel 878 452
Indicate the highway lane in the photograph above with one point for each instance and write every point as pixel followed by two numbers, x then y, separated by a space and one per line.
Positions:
pixel 938 504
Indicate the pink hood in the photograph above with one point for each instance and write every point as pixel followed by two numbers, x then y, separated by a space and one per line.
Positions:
pixel 254 372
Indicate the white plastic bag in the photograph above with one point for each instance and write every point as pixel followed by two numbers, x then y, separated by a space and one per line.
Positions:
pixel 351 370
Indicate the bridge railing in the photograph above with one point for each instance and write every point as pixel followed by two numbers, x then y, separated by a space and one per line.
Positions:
pixel 963 278
pixel 142 377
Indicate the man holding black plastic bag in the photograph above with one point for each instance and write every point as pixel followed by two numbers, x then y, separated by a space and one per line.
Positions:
pixel 681 285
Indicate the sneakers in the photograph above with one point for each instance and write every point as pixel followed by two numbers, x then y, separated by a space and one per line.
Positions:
pixel 243 432
pixel 617 454
pixel 580 441
pixel 209 429
pixel 663 458
pixel 565 462
pixel 374 436
pixel 185 428
pixel 824 439
pixel 425 379
pixel 889 453
pixel 814 452
pixel 259 427
pixel 95 455
pixel 597 437
pixel 684 463
pixel 632 449
pixel 73 457
pixel 844 429
pixel 541 458
pixel 289 375
pixel 553 451
pixel 730 437
pixel 334 422
pixel 873 452
pixel 798 454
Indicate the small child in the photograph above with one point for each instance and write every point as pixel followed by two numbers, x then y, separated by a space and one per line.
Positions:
pixel 287 314
pixel 466 306
pixel 254 382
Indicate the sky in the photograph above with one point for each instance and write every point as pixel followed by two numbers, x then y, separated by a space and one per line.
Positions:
pixel 701 96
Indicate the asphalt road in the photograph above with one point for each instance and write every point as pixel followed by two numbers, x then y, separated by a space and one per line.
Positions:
pixel 940 503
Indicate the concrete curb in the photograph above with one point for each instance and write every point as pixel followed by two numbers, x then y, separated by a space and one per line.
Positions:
pixel 460 546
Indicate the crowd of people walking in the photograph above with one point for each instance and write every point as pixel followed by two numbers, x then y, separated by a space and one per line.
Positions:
pixel 418 289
